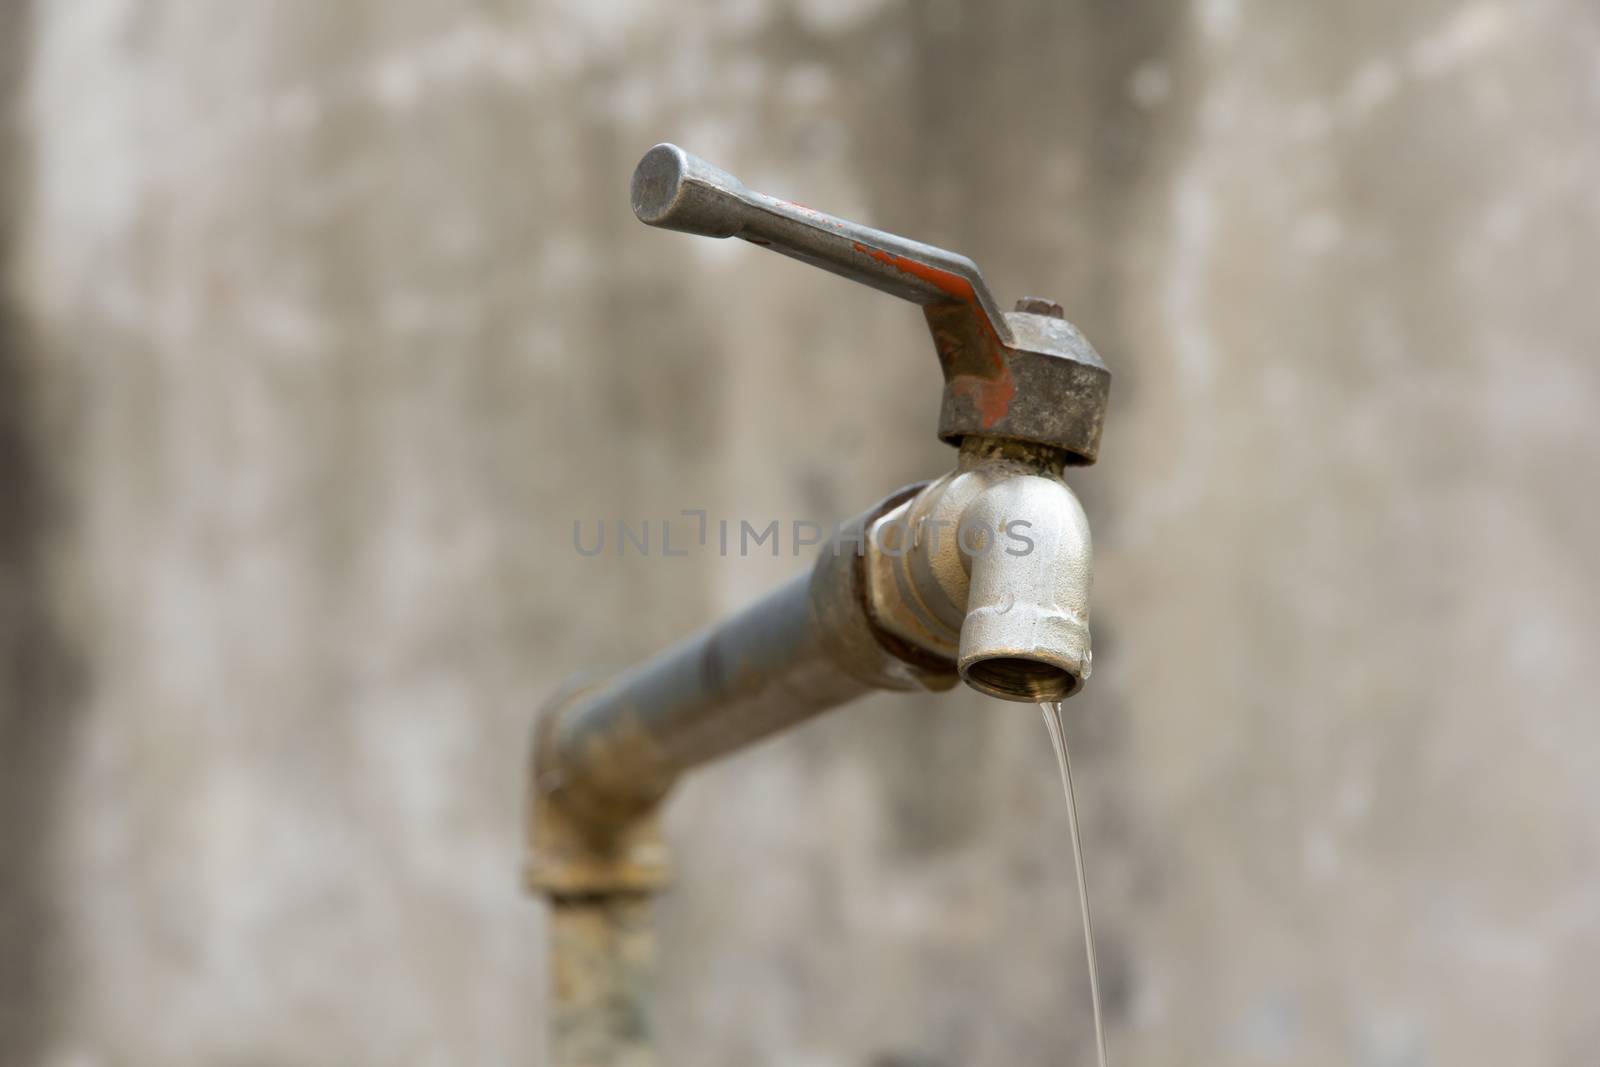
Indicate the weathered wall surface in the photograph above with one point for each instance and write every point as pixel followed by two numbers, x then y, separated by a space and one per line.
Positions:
pixel 325 321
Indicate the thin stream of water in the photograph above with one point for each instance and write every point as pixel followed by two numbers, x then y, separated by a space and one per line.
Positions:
pixel 1058 739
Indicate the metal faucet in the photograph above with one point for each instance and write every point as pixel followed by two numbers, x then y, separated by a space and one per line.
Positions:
pixel 981 576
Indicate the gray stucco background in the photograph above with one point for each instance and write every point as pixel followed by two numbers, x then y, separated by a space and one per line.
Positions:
pixel 325 321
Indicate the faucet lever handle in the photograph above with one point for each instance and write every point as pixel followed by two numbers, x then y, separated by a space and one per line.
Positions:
pixel 1026 375
pixel 677 190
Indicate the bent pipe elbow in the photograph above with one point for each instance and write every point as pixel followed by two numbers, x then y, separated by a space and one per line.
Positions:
pixel 1025 636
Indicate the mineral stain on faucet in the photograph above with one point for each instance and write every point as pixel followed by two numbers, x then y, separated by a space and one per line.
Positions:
pixel 886 605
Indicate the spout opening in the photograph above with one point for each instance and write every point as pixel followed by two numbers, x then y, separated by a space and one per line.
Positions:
pixel 1016 678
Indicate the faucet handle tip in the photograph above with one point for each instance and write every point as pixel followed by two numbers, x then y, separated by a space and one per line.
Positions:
pixel 677 190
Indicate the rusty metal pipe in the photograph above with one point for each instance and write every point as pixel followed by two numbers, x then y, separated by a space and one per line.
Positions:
pixel 604 757
pixel 620 749
pixel 602 956
pixel 612 753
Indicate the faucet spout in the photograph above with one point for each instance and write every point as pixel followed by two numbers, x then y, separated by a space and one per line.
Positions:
pixel 1026 632
pixel 989 568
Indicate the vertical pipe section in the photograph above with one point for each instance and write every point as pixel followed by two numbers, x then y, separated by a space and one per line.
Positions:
pixel 602 953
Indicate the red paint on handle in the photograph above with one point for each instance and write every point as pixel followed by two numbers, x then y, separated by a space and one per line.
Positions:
pixel 992 396
pixel 943 280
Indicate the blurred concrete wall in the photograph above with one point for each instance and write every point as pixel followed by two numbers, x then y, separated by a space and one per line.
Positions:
pixel 324 322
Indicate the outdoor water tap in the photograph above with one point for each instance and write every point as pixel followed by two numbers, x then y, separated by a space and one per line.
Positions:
pixel 1003 593
pixel 981 576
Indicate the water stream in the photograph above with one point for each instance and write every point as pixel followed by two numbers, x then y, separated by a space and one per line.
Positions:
pixel 1058 739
